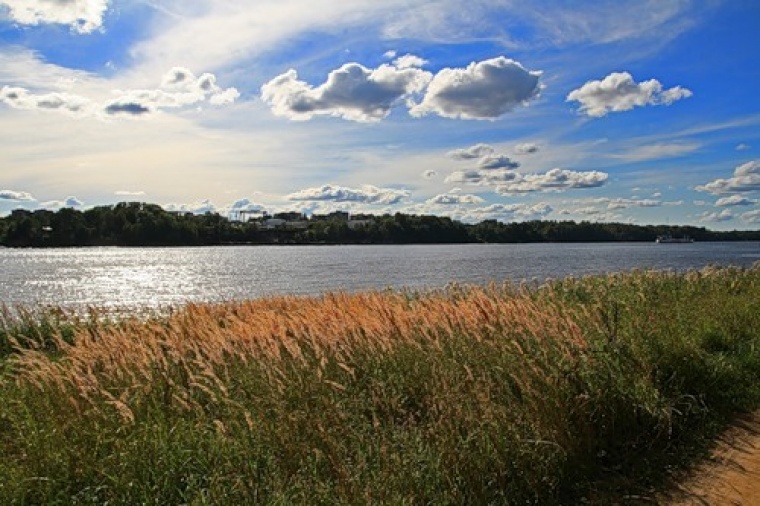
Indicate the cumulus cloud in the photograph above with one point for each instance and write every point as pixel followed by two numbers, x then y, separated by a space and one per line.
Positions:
pixel 83 16
pixel 734 200
pixel 751 216
pixel 508 212
pixel 455 199
pixel 367 194
pixel 526 148
pixel 482 177
pixel 603 208
pixel 473 152
pixel 242 207
pixel 58 204
pixel 16 196
pixel 491 162
pixel 201 207
pixel 21 98
pixel 621 203
pixel 746 179
pixel 554 180
pixel 352 92
pixel 619 92
pixel 718 216
pixel 483 90
pixel 247 206
pixel 409 61
pixel 179 88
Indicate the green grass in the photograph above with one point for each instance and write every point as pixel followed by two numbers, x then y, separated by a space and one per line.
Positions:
pixel 582 390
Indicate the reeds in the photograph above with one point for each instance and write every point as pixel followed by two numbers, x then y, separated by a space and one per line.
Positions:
pixel 469 395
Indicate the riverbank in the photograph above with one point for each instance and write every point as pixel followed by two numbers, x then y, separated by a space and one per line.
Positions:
pixel 582 389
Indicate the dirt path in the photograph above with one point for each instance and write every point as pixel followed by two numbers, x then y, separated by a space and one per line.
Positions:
pixel 732 475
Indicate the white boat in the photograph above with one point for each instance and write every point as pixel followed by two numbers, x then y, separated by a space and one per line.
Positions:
pixel 669 239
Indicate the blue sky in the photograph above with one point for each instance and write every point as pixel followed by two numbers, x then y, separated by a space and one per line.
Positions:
pixel 641 111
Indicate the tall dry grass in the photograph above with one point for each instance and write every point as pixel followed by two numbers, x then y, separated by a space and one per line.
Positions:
pixel 465 395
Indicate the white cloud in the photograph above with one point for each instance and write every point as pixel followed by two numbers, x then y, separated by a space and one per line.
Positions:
pixel 367 194
pixel 554 180
pixel 603 205
pixel 58 204
pixel 201 207
pixel 751 216
pixel 247 206
pixel 526 148
pixel 507 212
pixel 746 179
pixel 657 151
pixel 16 196
pixel 610 21
pixel 179 88
pixel 84 16
pixel 718 216
pixel 476 151
pixel 619 92
pixel 491 162
pixel 352 92
pixel 748 169
pixel 242 207
pixel 483 177
pixel 743 147
pixel 409 61
pixel 483 90
pixel 734 200
pixel 218 34
pixel 455 199
pixel 621 203
pixel 20 98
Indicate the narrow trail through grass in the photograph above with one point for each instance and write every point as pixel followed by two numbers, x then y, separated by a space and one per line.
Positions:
pixel 731 475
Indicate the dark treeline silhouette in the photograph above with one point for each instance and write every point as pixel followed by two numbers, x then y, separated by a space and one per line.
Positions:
pixel 140 224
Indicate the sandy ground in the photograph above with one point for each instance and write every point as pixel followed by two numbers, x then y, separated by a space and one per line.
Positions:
pixel 732 474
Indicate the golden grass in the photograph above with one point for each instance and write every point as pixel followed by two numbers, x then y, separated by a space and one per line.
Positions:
pixel 199 341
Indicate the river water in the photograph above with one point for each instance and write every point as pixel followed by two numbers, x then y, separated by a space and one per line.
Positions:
pixel 160 277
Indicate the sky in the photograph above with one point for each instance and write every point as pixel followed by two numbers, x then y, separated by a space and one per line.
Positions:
pixel 635 111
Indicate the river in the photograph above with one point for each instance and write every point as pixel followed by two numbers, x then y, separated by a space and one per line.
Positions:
pixel 160 277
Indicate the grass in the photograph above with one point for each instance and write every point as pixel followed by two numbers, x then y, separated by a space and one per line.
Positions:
pixel 581 390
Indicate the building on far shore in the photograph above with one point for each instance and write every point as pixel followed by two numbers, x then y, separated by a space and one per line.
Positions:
pixel 336 215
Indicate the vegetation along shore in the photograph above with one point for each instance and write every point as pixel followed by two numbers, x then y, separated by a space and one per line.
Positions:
pixel 141 224
pixel 590 389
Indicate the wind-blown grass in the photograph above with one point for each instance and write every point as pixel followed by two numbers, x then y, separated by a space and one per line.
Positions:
pixel 582 388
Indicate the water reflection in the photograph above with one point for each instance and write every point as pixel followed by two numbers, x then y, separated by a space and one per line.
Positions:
pixel 153 277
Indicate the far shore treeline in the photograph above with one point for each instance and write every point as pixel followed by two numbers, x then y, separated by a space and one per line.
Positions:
pixel 142 224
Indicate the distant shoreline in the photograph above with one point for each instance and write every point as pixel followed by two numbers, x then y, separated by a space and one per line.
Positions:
pixel 142 224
